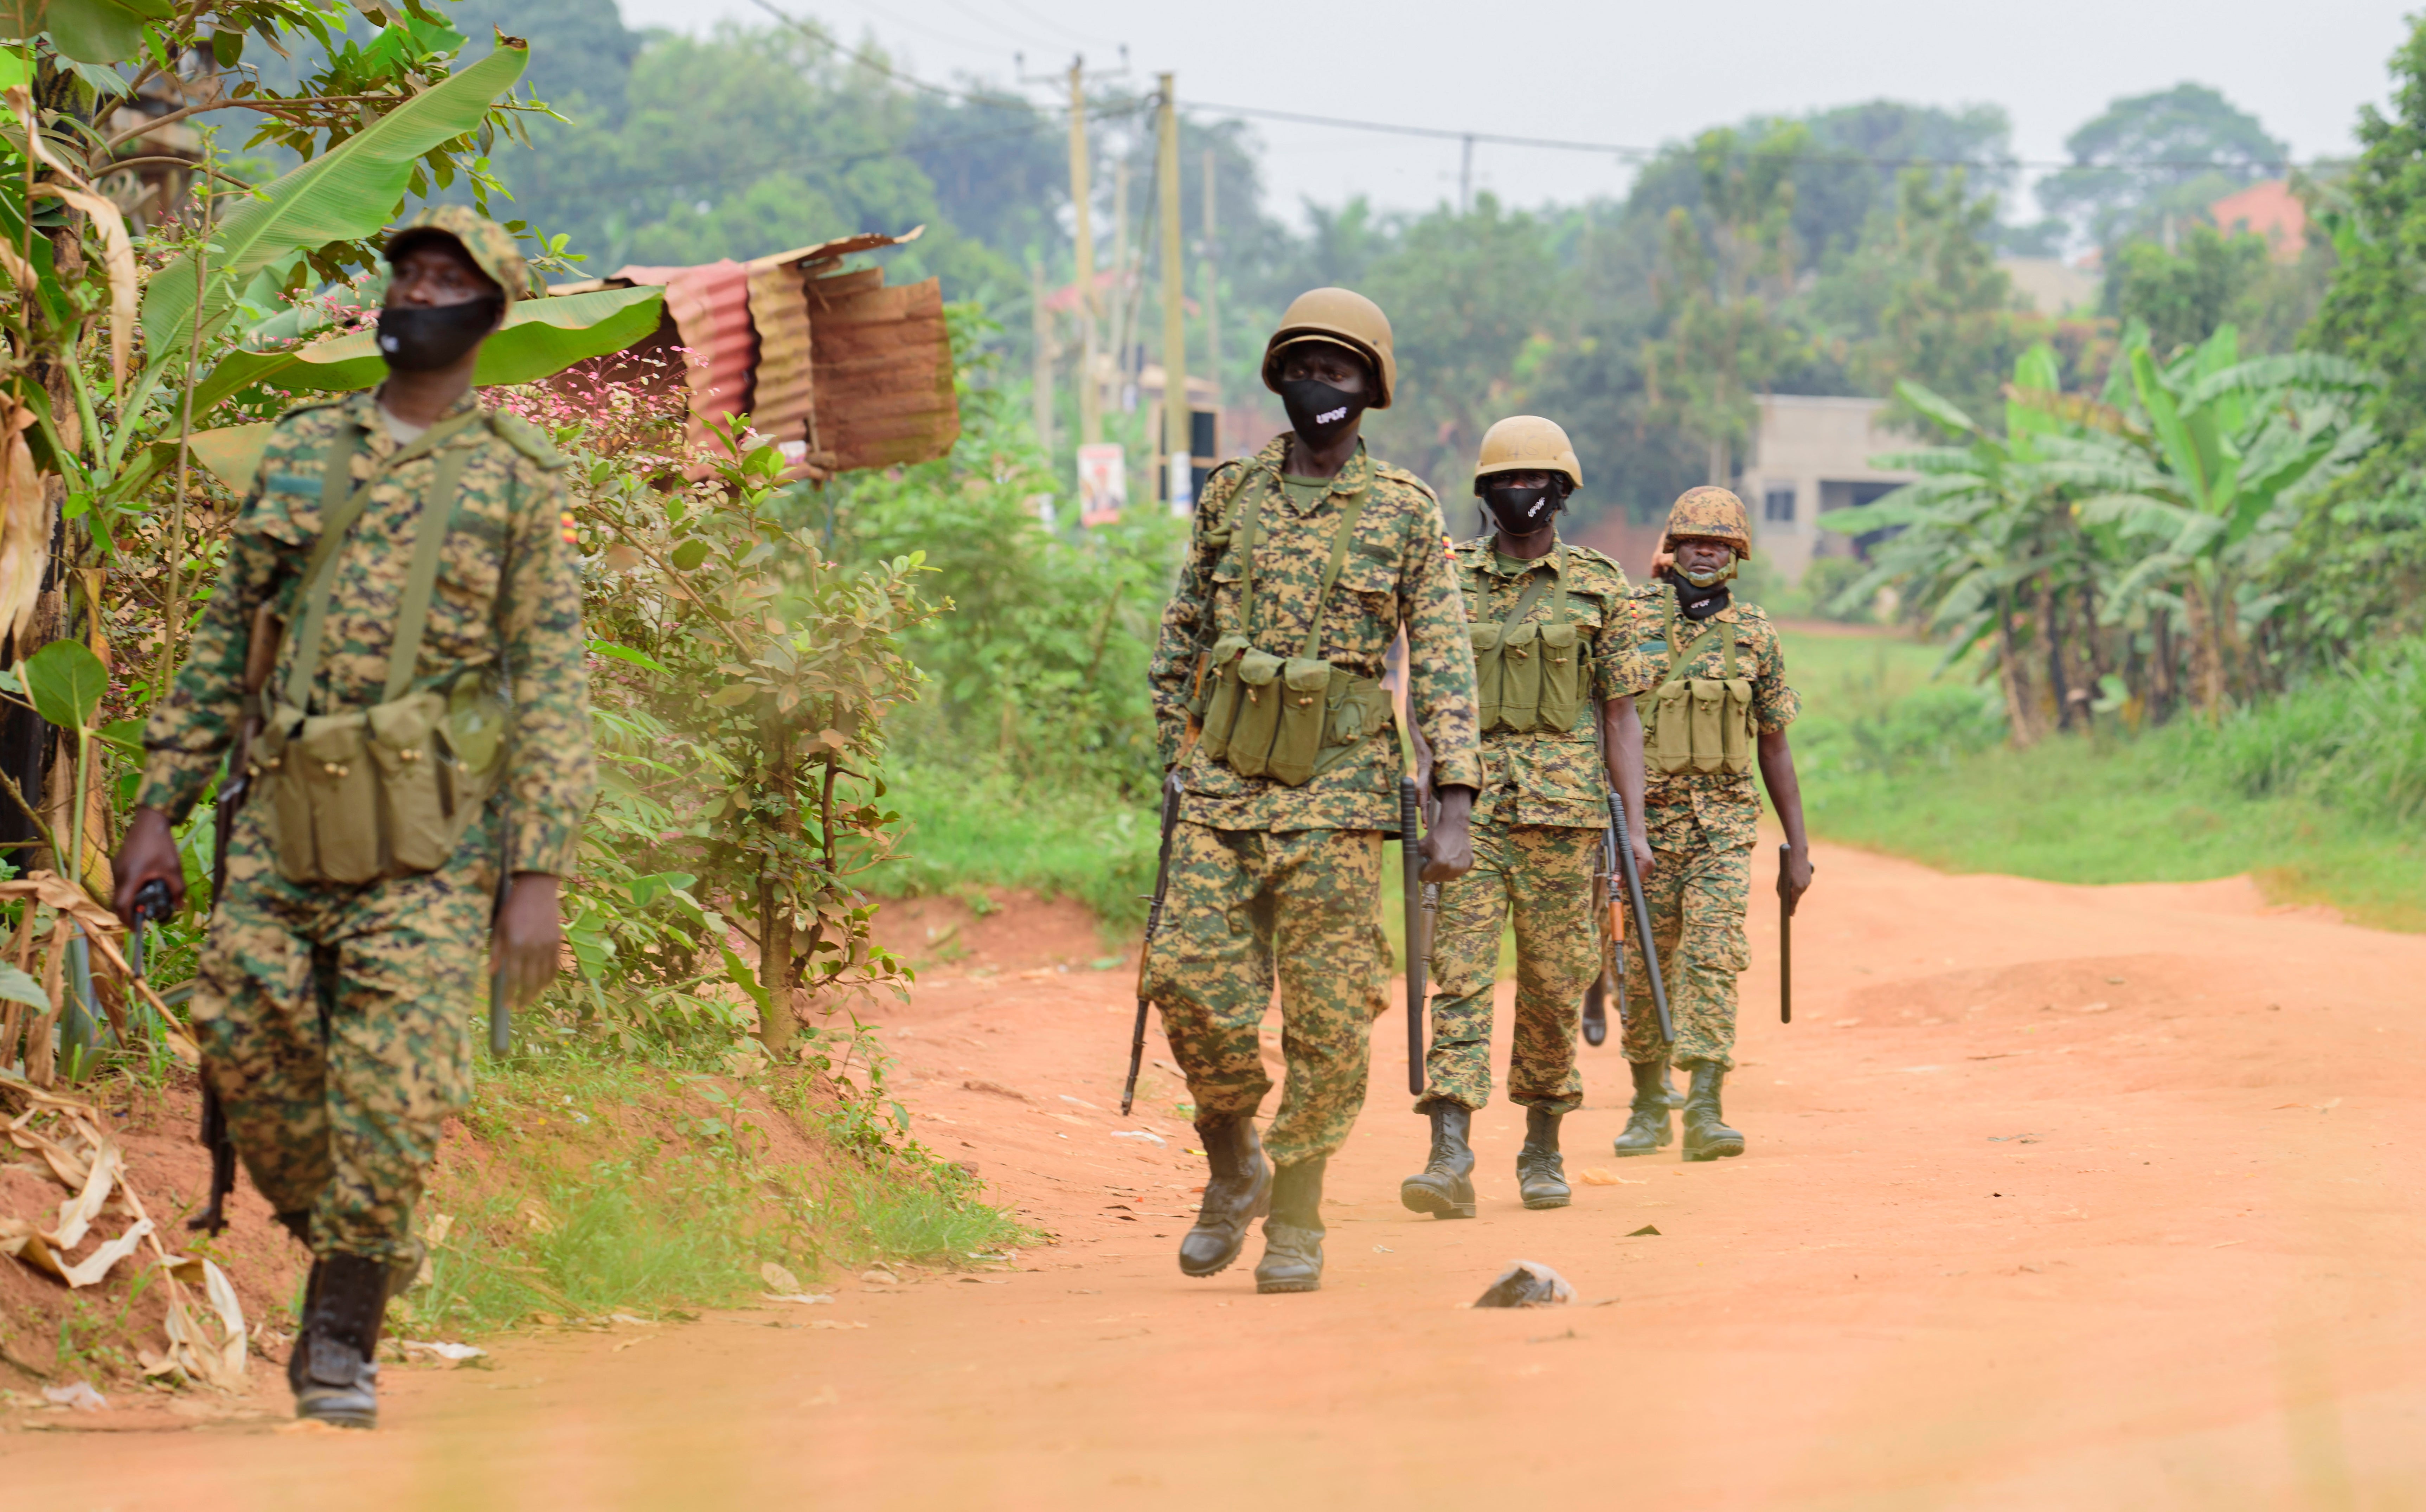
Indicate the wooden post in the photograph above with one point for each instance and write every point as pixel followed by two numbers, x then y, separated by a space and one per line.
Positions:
pixel 1091 406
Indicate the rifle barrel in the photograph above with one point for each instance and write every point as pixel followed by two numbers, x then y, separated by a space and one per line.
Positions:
pixel 1152 925
pixel 1410 857
pixel 1641 918
pixel 1785 936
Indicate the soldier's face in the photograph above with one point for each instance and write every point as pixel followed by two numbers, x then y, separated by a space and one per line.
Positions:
pixel 1696 556
pixel 436 272
pixel 1528 477
pixel 1325 363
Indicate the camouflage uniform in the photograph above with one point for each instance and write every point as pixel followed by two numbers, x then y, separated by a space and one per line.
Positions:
pixel 1266 878
pixel 334 1018
pixel 1701 828
pixel 1538 824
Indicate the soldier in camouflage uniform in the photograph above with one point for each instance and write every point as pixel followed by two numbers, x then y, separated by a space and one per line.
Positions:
pixel 1306 561
pixel 334 1018
pixel 1708 720
pixel 1540 819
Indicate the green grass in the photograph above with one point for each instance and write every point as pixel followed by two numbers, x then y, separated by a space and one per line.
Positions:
pixel 2317 792
pixel 992 831
pixel 600 1185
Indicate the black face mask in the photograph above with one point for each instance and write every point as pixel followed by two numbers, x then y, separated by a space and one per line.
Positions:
pixel 1698 602
pixel 1320 413
pixel 424 338
pixel 1522 511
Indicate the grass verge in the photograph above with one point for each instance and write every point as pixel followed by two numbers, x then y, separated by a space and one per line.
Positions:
pixel 589 1187
pixel 2315 791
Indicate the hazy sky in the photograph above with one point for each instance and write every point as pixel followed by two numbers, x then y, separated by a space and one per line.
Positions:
pixel 1631 74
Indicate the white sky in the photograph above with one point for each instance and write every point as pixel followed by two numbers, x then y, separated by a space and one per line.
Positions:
pixel 1630 72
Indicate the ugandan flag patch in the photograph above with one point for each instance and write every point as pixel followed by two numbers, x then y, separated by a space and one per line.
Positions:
pixel 571 535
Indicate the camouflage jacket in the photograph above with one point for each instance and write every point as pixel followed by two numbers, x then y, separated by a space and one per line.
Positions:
pixel 1725 804
pixel 1553 776
pixel 1397 572
pixel 509 591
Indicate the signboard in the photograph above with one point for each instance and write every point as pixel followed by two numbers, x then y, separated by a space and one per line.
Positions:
pixel 1102 484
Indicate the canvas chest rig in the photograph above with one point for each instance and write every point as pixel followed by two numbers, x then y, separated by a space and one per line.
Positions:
pixel 358 794
pixel 1287 718
pixel 1700 724
pixel 1530 677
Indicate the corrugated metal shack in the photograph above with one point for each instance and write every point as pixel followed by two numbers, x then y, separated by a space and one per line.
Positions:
pixel 834 367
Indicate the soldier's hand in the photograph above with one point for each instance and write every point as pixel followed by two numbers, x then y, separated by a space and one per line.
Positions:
pixel 1646 860
pixel 1448 850
pixel 1794 877
pixel 148 854
pixel 531 933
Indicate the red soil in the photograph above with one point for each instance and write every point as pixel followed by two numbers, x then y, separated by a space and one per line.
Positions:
pixel 2056 1197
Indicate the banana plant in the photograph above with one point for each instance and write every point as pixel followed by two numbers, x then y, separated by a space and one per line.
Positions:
pixel 1982 522
pixel 2203 478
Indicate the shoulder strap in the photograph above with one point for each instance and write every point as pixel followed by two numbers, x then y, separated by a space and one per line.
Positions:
pixel 1246 547
pixel 429 540
pixel 336 523
pixel 1339 540
pixel 1525 602
pixel 1680 663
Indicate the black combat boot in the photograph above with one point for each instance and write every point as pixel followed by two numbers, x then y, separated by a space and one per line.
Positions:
pixel 295 1353
pixel 1293 1234
pixel 1238 1193
pixel 1668 1090
pixel 1541 1174
pixel 1646 1128
pixel 340 1342
pixel 1595 1015
pixel 1445 1188
pixel 1706 1137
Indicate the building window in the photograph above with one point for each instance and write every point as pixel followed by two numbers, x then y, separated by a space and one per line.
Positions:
pixel 1777 506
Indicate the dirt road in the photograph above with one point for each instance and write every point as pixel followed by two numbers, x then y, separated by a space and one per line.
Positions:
pixel 2056 1197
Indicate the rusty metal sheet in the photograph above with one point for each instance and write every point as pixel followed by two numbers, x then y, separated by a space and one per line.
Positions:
pixel 782 403
pixel 883 370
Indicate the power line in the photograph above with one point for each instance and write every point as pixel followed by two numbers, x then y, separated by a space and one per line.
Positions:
pixel 819 34
pixel 1644 155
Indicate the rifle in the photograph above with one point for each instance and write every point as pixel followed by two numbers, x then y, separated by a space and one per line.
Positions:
pixel 1422 901
pixel 1170 789
pixel 1612 980
pixel 1624 844
pixel 1786 904
pixel 260 660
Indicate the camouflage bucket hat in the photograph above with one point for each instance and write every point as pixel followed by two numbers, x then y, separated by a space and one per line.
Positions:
pixel 489 245
pixel 1710 513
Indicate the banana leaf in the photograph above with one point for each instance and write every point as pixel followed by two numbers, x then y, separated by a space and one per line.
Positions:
pixel 348 192
pixel 540 337
pixel 86 31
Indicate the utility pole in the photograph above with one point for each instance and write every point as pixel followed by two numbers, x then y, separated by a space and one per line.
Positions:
pixel 1466 176
pixel 1176 428
pixel 1121 334
pixel 1043 339
pixel 1090 397
pixel 1211 261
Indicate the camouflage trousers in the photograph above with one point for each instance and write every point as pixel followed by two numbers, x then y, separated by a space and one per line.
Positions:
pixel 1245 907
pixel 1697 895
pixel 1543 875
pixel 334 1025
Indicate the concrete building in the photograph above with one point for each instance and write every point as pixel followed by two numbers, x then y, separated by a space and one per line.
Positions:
pixel 2053 286
pixel 1812 455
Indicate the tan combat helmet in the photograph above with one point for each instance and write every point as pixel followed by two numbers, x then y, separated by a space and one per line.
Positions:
pixel 490 247
pixel 1344 318
pixel 1708 513
pixel 1527 443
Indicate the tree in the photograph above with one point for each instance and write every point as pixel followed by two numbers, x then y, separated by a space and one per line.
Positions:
pixel 2184 297
pixel 1722 282
pixel 1923 298
pixel 2152 160
pixel 1466 294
